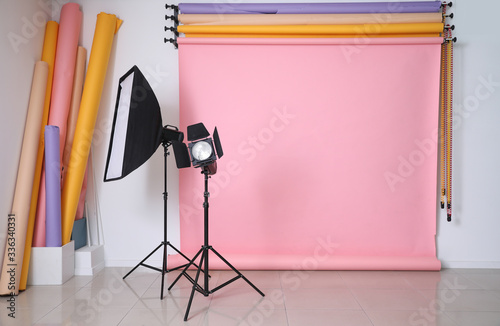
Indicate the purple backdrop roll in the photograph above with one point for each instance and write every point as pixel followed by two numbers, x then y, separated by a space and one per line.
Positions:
pixel 310 8
pixel 53 231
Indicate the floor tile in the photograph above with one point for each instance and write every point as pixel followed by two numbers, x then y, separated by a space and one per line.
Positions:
pixel 151 317
pixel 106 297
pixel 408 317
pixel 311 279
pixel 175 300
pixel 438 280
pixel 320 299
pixel 483 271
pixel 468 318
pixel 23 316
pixel 245 298
pixel 463 300
pixel 78 281
pixel 323 317
pixel 451 297
pixel 485 281
pixel 83 315
pixel 183 281
pixel 47 295
pixel 138 281
pixel 261 279
pixel 374 280
pixel 390 299
pixel 239 316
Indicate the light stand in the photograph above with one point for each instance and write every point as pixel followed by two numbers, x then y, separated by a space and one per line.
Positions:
pixel 165 243
pixel 204 251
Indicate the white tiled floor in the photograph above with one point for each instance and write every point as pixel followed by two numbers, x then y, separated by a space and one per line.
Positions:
pixel 452 297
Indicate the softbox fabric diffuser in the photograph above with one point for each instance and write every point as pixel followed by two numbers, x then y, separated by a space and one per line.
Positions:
pixel 137 126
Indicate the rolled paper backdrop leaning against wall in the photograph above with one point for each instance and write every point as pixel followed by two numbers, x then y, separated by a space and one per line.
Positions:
pixel 18 223
pixel 64 70
pixel 107 26
pixel 49 56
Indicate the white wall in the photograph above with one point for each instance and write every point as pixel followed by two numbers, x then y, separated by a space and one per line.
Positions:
pixel 22 26
pixel 472 238
pixel 132 208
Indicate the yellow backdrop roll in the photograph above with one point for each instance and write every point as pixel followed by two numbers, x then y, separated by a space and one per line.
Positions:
pixel 314 29
pixel 49 56
pixel 106 26
pixel 17 226
pixel 312 19
pixel 310 35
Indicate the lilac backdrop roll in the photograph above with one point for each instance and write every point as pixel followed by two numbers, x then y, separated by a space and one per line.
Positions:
pixel 53 233
pixel 310 8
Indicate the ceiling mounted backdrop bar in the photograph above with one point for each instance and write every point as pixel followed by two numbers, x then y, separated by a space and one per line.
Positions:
pixel 310 8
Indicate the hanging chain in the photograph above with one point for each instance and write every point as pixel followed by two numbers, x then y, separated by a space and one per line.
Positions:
pixel 449 121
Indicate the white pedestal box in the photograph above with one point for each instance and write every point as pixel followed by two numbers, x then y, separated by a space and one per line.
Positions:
pixel 51 265
pixel 89 260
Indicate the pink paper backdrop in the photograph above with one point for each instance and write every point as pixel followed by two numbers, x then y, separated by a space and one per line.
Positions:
pixel 330 151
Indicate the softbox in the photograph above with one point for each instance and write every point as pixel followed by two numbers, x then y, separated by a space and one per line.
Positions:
pixel 137 126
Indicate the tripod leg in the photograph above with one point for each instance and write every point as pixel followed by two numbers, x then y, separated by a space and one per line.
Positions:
pixel 237 271
pixel 180 253
pixel 142 261
pixel 205 252
pixel 163 270
pixel 191 262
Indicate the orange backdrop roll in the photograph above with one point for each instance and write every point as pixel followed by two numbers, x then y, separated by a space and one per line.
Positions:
pixel 425 28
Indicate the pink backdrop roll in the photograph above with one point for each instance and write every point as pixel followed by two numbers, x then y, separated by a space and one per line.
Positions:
pixel 64 69
pixel 330 151
pixel 62 86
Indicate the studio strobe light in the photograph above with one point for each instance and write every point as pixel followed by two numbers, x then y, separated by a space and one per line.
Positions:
pixel 204 156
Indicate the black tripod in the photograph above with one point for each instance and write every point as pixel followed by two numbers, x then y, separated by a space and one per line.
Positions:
pixel 203 266
pixel 164 243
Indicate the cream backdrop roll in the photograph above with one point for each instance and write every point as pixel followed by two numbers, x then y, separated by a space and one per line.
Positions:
pixel 309 19
pixel 14 250
pixel 76 98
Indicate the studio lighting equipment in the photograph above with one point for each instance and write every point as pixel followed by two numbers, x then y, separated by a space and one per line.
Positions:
pixel 137 132
pixel 202 148
pixel 204 156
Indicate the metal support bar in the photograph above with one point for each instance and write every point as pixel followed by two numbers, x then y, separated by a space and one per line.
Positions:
pixel 173 29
